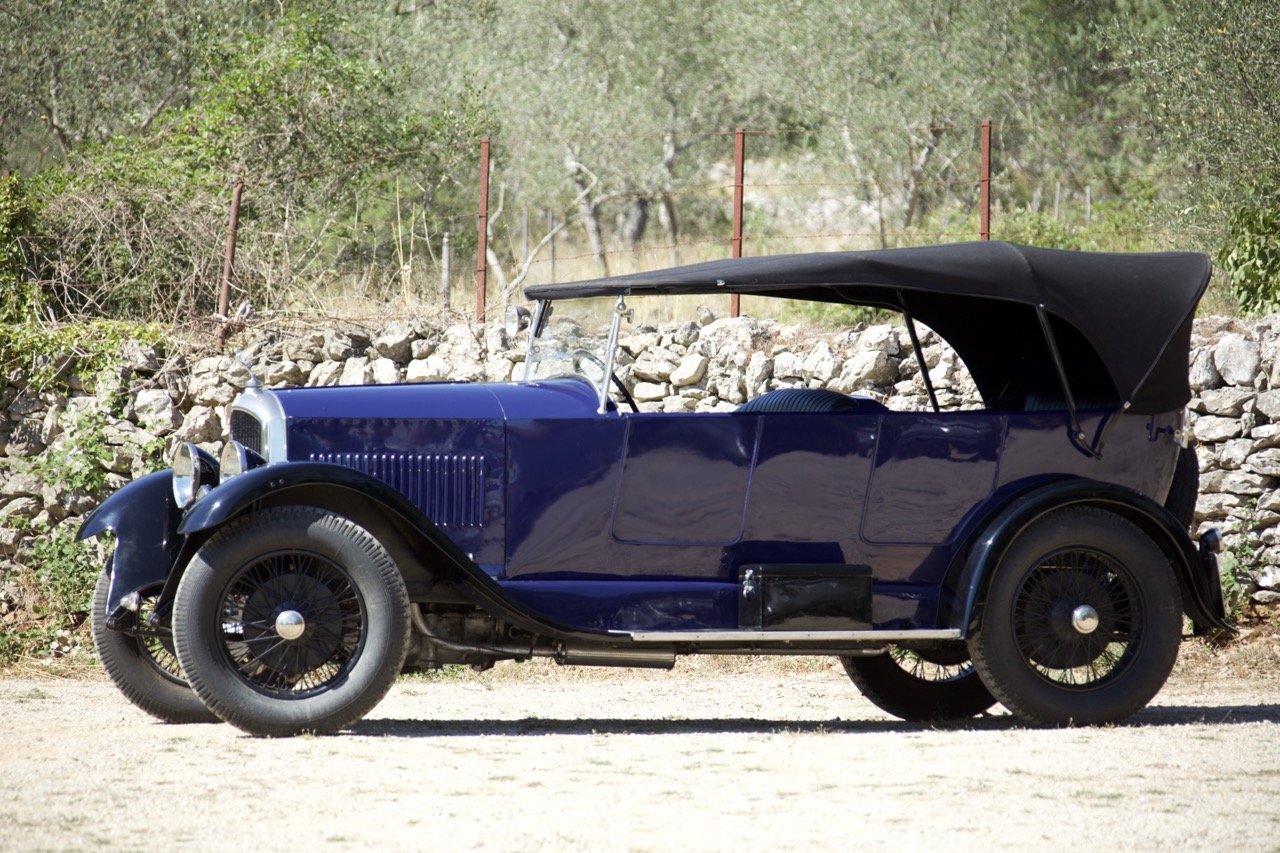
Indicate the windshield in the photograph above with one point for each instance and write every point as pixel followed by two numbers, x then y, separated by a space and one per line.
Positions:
pixel 573 341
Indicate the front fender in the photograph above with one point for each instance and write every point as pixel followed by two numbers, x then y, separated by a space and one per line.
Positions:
pixel 968 579
pixel 144 519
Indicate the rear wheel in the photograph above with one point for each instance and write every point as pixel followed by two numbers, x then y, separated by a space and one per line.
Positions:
pixel 141 662
pixel 291 620
pixel 921 685
pixel 1082 621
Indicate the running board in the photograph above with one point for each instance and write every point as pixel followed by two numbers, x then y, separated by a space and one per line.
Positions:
pixel 788 636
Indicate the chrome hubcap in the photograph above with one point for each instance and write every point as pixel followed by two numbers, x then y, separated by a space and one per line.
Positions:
pixel 290 625
pixel 1084 619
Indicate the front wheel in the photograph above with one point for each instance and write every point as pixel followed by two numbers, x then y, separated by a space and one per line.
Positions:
pixel 141 662
pixel 291 620
pixel 921 685
pixel 1082 621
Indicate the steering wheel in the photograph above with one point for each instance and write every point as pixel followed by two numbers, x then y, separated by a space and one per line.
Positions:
pixel 590 366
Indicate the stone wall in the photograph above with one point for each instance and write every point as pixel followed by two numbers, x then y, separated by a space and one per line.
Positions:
pixel 123 422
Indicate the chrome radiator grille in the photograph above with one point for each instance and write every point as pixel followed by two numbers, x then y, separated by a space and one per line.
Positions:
pixel 246 430
pixel 449 489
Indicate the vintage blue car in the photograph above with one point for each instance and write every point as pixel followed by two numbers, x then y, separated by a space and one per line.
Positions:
pixel 1034 551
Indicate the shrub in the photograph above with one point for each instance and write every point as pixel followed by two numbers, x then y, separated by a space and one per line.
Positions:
pixel 17 223
pixel 1250 257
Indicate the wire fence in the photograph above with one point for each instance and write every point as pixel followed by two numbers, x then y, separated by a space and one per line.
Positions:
pixel 562 208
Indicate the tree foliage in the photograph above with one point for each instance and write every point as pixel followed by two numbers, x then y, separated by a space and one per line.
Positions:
pixel 138 116
pixel 1212 73
pixel 129 222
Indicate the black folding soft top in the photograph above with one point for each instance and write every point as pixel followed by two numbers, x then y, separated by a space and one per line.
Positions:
pixel 1121 322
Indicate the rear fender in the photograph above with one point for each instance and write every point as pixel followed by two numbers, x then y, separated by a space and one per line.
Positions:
pixel 970 574
pixel 144 519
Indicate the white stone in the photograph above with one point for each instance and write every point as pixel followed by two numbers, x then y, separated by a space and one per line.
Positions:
pixel 1227 402
pixel 821 364
pixel 433 368
pixel 686 334
pixel 356 372
pixel 1214 505
pixel 1214 429
pixel 385 371
pixel 883 338
pixel 872 368
pixel 495 340
pixel 1268 403
pixel 758 373
pixel 1234 483
pixel 421 348
pixel 200 425
pixel 1202 374
pixel 1237 359
pixel 1264 462
pixel 284 373
pixel 210 389
pixel 650 392
pixel 156 411
pixel 326 373
pixel 655 364
pixel 1269 577
pixel 690 370
pixel 395 341
pixel 337 346
pixel 1234 452
pixel 787 365
pixel 638 343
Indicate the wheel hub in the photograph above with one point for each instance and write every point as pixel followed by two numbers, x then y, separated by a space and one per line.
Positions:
pixel 1084 619
pixel 290 625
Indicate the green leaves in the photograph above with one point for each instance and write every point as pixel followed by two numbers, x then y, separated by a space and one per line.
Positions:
pixel 1251 254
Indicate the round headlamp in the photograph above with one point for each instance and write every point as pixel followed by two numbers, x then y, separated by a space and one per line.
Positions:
pixel 236 459
pixel 194 470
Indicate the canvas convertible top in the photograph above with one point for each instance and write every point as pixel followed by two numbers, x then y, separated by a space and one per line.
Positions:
pixel 1121 323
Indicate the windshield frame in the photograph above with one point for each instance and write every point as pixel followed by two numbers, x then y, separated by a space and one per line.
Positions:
pixel 543 311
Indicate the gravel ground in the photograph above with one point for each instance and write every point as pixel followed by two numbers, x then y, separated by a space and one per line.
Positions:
pixel 715 755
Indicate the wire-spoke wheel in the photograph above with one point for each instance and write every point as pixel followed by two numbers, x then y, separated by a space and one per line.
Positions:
pixel 256 612
pixel 921 685
pixel 291 620
pixel 1082 622
pixel 141 663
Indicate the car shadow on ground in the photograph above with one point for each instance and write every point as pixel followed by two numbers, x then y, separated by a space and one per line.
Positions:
pixel 1165 715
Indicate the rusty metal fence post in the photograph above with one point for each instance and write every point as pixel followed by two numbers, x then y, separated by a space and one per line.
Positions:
pixel 482 243
pixel 224 297
pixel 739 167
pixel 984 184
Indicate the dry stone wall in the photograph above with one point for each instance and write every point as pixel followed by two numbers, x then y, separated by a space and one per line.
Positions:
pixel 63 450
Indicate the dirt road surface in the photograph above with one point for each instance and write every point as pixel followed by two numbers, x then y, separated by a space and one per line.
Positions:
pixel 749 755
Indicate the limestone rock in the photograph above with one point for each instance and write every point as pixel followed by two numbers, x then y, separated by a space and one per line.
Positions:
pixel 690 370
pixel 1214 429
pixel 1237 359
pixel 395 341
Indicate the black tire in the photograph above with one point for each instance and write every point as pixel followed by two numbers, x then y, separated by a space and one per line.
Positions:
pixel 322 569
pixel 921 685
pixel 143 666
pixel 1185 488
pixel 1036 650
